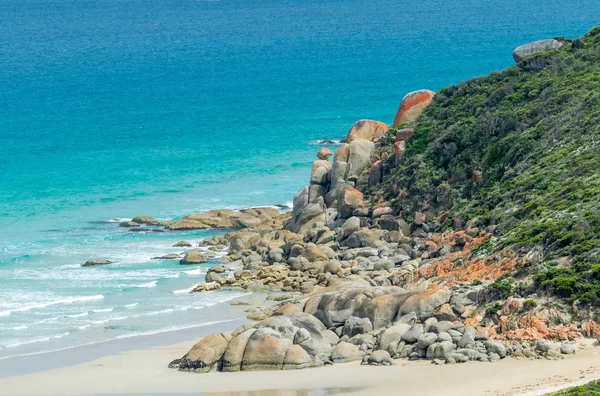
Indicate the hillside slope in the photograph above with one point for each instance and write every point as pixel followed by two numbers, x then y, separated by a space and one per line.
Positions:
pixel 531 135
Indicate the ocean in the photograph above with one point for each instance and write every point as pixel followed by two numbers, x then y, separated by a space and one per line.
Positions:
pixel 111 109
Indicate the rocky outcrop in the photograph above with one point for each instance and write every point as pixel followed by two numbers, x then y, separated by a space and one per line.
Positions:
pixel 412 106
pixel 194 256
pixel 367 130
pixel 530 49
pixel 235 219
pixel 96 262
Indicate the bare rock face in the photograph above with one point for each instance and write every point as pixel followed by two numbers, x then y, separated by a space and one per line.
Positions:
pixel 367 130
pixel 379 304
pixel 412 106
pixel 529 49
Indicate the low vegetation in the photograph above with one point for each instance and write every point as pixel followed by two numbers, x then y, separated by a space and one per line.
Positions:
pixel 534 132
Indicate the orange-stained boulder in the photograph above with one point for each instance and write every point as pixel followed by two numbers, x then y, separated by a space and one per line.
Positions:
pixel 349 200
pixel 367 129
pixel 412 106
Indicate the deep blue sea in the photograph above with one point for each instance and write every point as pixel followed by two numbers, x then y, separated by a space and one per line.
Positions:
pixel 115 108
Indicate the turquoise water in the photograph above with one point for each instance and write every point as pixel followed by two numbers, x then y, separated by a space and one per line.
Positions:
pixel 115 108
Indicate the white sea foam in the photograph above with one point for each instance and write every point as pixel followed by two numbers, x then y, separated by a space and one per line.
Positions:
pixel 196 271
pixel 102 310
pixel 68 300
pixel 149 284
pixel 183 291
pixel 79 315
pixel 19 327
pixel 131 305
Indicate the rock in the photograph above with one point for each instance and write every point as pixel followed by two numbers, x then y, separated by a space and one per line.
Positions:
pixel 426 339
pixel 545 346
pixel 211 277
pixel 445 313
pixel 324 153
pixel 468 338
pixel 205 354
pixel 170 256
pixel 313 253
pixel 193 257
pixel 182 244
pixel 145 220
pixel 265 350
pixel 379 304
pixel 409 319
pixel 204 287
pixel 129 224
pixel 346 352
pixel 320 174
pixel 349 227
pixel 332 267
pixel 296 358
pixel 404 134
pixel 368 130
pixel 412 106
pixel 234 354
pixel 349 200
pixel 95 262
pixel 392 335
pixel 242 241
pixel 529 49
pixel 376 173
pixel 567 349
pixel 381 211
pixel 413 334
pixel 354 326
pixel 379 358
pixel 495 347
pixel 425 302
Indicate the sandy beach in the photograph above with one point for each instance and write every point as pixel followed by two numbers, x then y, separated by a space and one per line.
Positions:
pixel 145 371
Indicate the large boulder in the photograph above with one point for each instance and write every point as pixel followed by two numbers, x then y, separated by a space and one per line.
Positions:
pixel 412 106
pixel 379 304
pixel 320 172
pixel 367 129
pixel 529 49
pixel 193 257
pixel 225 219
pixel 145 220
pixel 243 241
pixel 234 354
pixel 346 352
pixel 349 200
pixel 205 355
pixel 265 350
pixel 426 302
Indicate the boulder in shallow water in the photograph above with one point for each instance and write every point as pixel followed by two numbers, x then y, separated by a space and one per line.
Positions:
pixel 129 224
pixel 529 49
pixel 193 257
pixel 170 256
pixel 95 262
pixel 147 220
pixel 183 244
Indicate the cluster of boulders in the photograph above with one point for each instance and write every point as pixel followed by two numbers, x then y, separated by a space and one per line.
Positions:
pixel 349 322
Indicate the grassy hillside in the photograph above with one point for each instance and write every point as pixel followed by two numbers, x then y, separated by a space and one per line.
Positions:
pixel 534 132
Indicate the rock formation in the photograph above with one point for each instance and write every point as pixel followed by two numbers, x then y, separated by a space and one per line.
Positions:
pixel 412 106
pixel 529 49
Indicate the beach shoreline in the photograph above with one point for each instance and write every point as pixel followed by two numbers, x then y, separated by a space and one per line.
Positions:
pixel 227 315
pixel 144 371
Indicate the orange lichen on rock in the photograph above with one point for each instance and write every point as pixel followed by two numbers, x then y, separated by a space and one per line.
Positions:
pixel 462 266
pixel 412 106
